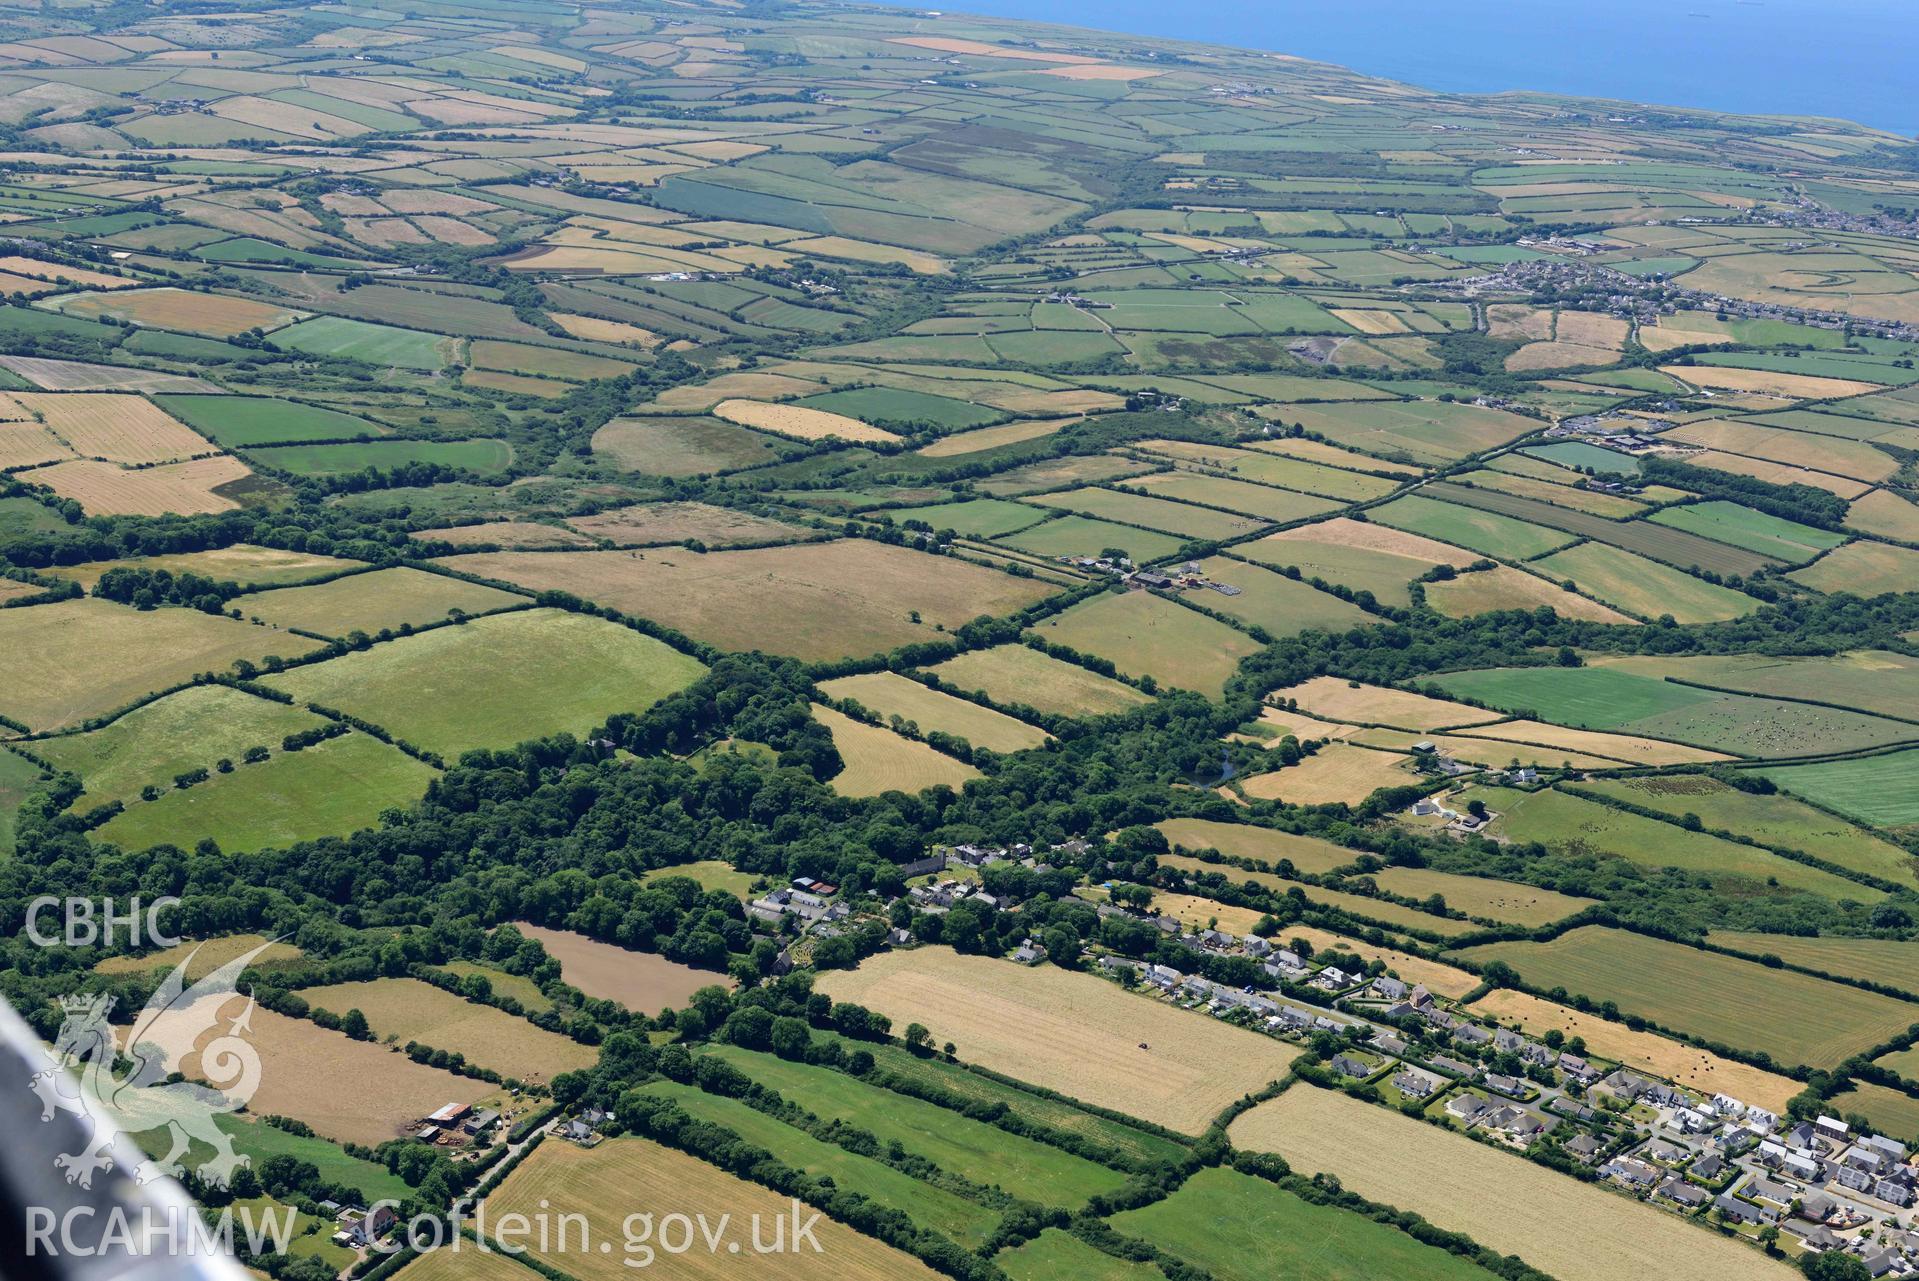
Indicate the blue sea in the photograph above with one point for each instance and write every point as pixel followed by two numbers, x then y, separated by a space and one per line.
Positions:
pixel 1854 59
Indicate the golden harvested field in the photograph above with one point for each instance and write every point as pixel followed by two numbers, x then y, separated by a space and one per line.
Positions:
pixel 1372 909
pixel 1768 382
pixel 1434 976
pixel 1481 751
pixel 1779 473
pixel 208 955
pixel 242 563
pixel 798 421
pixel 348 1091
pixel 116 428
pixel 1558 355
pixel 1017 675
pixel 746 384
pixel 810 601
pixel 625 1176
pixel 1663 1057
pixel 1343 531
pixel 373 602
pixel 1278 722
pixel 1517 320
pixel 866 251
pixel 1619 747
pixel 512 534
pixel 401 1010
pixel 645 524
pixel 1504 901
pixel 1069 1032
pixel 970 442
pixel 28 445
pixel 1336 772
pixel 891 694
pixel 983 50
pixel 1592 329
pixel 1569 1229
pixel 1203 913
pixel 13 264
pixel 1262 844
pixel 1336 699
pixel 215 315
pixel 1504 587
pixel 593 329
pixel 644 982
pixel 878 760
pixel 184 489
pixel 1852 459
pixel 76 659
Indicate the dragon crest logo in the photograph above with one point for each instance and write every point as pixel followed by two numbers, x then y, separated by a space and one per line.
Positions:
pixel 165 1033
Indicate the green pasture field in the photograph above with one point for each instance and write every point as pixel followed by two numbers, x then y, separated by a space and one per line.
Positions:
pixel 330 789
pixel 373 602
pixel 1636 701
pixel 1058 1255
pixel 1052 347
pixel 1560 821
pixel 364 340
pixel 1881 790
pixel 1892 1112
pixel 1198 523
pixel 1146 635
pixel 1016 675
pixel 1022 1167
pixel 1658 542
pixel 259 1140
pixel 1864 569
pixel 1053 473
pixel 1085 536
pixel 1504 901
pixel 891 694
pixel 1874 960
pixel 497 680
pixel 1054 1113
pixel 1581 456
pixel 1775 819
pixel 22 516
pixel 1785 540
pixel 973 517
pixel 546 362
pixel 1424 431
pixel 1585 697
pixel 192 729
pixel 1282 605
pixel 967 1223
pixel 485 457
pixel 686 446
pixel 711 873
pixel 1869 680
pixel 1793 1017
pixel 518 986
pixel 1644 587
pixel 76 659
pixel 1482 531
pixel 18 777
pixel 238 422
pixel 1241 1228
pixel 896 409
pixel 1264 501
